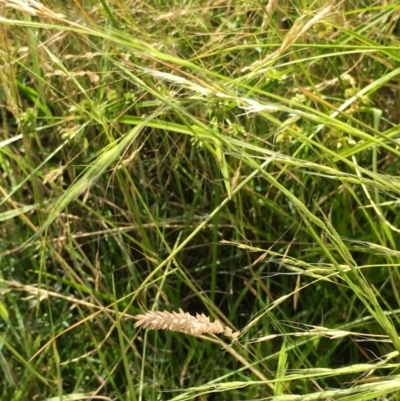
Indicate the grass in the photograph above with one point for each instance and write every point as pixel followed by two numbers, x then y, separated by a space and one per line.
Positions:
pixel 232 159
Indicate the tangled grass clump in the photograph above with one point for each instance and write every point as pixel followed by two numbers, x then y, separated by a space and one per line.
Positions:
pixel 238 157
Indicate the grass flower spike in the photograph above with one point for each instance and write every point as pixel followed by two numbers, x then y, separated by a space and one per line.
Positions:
pixel 183 322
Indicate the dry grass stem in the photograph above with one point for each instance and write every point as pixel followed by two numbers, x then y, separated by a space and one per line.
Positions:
pixel 183 322
pixel 298 29
pixel 32 7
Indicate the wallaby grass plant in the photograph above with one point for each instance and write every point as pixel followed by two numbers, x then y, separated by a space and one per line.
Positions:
pixel 236 162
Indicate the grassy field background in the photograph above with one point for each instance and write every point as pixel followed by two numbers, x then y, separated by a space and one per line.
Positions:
pixel 234 158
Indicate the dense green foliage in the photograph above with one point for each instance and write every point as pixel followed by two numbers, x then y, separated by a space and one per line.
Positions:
pixel 238 159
